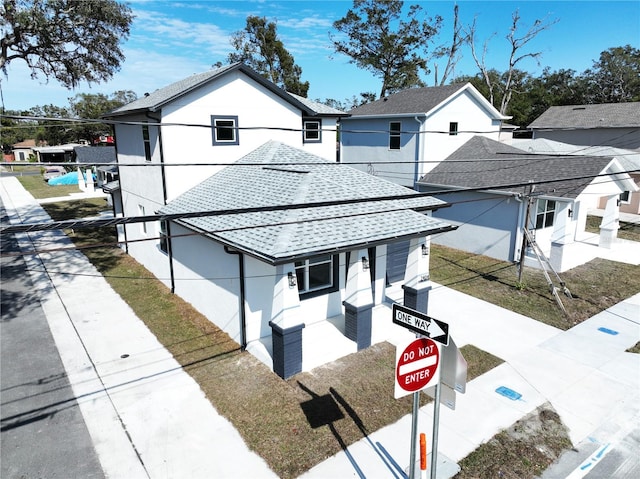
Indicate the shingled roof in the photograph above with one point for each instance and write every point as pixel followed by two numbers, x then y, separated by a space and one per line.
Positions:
pixel 279 175
pixel 485 164
pixel 417 101
pixel 602 115
pixel 156 100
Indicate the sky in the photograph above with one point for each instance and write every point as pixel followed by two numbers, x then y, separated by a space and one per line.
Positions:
pixel 170 40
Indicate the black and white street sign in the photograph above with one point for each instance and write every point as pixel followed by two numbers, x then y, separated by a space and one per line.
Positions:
pixel 421 323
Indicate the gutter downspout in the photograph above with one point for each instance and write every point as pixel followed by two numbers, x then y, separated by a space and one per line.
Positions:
pixel 164 198
pixel 243 318
pixel 416 174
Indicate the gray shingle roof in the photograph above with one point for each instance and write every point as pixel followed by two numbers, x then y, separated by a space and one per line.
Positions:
pixel 413 100
pixel 487 164
pixel 603 115
pixel 277 174
pixel 157 99
pixel 95 154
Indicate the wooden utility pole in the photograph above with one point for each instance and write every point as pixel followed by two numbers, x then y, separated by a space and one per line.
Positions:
pixel 525 227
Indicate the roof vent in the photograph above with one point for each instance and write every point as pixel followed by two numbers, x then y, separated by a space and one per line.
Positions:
pixel 146 94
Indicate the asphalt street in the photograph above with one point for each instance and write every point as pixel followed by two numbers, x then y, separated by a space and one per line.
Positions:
pixel 42 433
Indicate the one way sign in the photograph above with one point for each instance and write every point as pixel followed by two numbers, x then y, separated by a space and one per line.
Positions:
pixel 421 323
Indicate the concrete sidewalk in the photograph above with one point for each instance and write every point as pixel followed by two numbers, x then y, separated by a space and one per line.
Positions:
pixel 148 418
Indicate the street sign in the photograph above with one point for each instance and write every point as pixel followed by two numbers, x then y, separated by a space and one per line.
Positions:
pixel 416 366
pixel 421 323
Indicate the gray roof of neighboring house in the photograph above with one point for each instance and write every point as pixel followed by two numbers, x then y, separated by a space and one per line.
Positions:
pixel 159 98
pixel 414 101
pixel 629 159
pixel 485 164
pixel 95 154
pixel 603 115
pixel 276 174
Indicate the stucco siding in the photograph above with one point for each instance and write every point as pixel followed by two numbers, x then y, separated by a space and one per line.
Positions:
pixel 208 278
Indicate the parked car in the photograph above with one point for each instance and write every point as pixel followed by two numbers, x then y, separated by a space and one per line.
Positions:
pixel 53 172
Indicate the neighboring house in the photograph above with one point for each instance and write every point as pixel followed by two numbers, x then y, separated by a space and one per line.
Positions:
pixel 486 183
pixel 170 140
pixel 55 154
pixel 23 150
pixel 247 248
pixel 403 136
pixel 628 159
pixel 102 161
pixel 611 124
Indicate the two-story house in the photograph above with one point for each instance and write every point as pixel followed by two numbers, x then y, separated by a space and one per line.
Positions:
pixel 401 137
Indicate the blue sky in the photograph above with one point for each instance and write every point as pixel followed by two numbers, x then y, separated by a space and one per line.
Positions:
pixel 173 39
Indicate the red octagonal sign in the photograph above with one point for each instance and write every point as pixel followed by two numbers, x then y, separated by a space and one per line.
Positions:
pixel 416 366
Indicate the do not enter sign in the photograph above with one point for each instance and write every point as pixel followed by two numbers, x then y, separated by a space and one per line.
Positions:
pixel 417 366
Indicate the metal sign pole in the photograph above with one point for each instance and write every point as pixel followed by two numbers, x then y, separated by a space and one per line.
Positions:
pixel 414 434
pixel 436 422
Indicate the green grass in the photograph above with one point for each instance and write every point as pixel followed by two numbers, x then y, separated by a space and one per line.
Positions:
pixel 41 189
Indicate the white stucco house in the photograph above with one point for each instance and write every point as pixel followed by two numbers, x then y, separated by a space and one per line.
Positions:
pixel 171 139
pixel 610 124
pixel 487 185
pixel 403 136
pixel 283 243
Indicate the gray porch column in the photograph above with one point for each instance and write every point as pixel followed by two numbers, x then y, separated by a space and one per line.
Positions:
pixel 609 225
pixel 416 277
pixel 358 301
pixel 286 325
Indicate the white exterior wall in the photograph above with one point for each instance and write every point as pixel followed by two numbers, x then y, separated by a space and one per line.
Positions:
pixel 472 118
pixel 209 279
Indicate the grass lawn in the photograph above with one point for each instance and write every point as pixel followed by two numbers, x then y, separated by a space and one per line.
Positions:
pixel 296 424
pixel 41 189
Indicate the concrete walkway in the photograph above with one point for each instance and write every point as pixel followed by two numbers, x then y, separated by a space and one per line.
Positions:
pixel 148 418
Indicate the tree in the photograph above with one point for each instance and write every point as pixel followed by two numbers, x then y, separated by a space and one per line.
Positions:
pixel 517 43
pixel 390 48
pixel 53 132
pixel 452 51
pixel 259 47
pixel 69 40
pixel 88 106
pixel 615 77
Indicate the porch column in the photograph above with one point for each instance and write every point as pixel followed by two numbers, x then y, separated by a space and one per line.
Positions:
pixel 609 225
pixel 416 276
pixel 286 324
pixel 358 301
pixel 562 234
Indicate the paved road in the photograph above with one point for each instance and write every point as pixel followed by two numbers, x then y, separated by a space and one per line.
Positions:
pixel 42 433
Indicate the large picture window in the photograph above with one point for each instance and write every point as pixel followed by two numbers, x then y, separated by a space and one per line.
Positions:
pixel 395 127
pixel 225 130
pixel 316 274
pixel 545 212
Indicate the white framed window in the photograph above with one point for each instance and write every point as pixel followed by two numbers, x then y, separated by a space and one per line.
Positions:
pixel 395 127
pixel 545 213
pixel 143 225
pixel 146 140
pixel 625 197
pixel 164 237
pixel 316 274
pixel 225 130
pixel 453 128
pixel 312 131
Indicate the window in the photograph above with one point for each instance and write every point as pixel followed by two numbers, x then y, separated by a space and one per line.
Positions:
pixel 147 142
pixel 453 128
pixel 225 130
pixel 316 274
pixel 164 238
pixel 395 127
pixel 143 225
pixel 312 131
pixel 545 211
pixel 624 197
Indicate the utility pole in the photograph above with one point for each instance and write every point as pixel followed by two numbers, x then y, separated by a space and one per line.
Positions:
pixel 523 249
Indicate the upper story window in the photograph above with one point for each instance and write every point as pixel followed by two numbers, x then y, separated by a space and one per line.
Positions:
pixel 312 131
pixel 545 212
pixel 317 275
pixel 395 127
pixel 164 237
pixel 147 142
pixel 143 225
pixel 225 130
pixel 453 128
